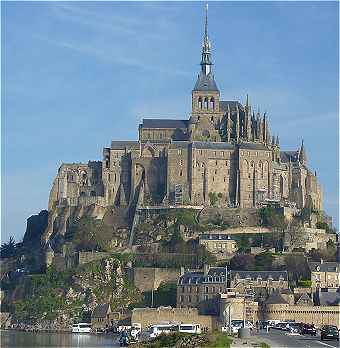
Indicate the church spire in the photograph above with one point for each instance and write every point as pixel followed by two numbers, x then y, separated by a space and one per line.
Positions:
pixel 205 81
pixel 302 154
pixel 206 47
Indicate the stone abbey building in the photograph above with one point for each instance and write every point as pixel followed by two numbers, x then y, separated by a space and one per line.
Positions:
pixel 224 149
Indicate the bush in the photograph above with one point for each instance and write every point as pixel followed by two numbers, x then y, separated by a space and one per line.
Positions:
pixel 243 262
pixel 264 261
pixel 213 198
pixel 305 283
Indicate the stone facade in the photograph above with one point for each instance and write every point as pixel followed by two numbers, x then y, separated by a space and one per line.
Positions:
pixel 221 245
pixel 325 274
pixel 200 289
pixel 224 148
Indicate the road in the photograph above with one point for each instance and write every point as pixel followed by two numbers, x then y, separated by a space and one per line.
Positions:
pixel 281 339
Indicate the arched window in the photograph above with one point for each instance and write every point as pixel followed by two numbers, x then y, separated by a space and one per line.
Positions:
pixel 200 104
pixel 206 103
pixel 212 103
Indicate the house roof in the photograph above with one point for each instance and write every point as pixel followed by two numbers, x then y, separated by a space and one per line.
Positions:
pixel 286 155
pixel 101 310
pixel 254 275
pixel 232 105
pixel 275 298
pixel 324 266
pixel 215 236
pixel 329 298
pixel 121 145
pixel 205 83
pixel 164 123
pixel 215 275
pixel 302 298
pixel 253 146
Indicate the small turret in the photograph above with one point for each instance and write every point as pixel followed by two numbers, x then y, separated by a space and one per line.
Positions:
pixel 277 141
pixel 237 126
pixel 247 130
pixel 302 154
pixel 228 124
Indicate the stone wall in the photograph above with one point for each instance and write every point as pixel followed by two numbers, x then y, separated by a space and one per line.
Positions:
pixel 317 315
pixel 89 256
pixel 232 216
pixel 148 278
pixel 150 316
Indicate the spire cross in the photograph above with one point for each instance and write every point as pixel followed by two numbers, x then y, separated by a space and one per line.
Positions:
pixel 206 21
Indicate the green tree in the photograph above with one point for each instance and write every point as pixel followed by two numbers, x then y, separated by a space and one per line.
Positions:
pixel 243 262
pixel 305 214
pixel 264 261
pixel 297 267
pixel 88 234
pixel 243 244
pixel 8 249
pixel 213 198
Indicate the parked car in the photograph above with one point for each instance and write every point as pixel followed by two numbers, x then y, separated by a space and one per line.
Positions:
pixel 308 329
pixel 190 328
pixel 237 324
pixel 156 330
pixel 295 328
pixel 329 332
pixel 283 326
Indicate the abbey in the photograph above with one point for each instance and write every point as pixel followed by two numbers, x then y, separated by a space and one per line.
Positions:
pixel 224 150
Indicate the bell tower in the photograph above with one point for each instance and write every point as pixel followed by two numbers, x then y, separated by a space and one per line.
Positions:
pixel 205 99
pixel 205 95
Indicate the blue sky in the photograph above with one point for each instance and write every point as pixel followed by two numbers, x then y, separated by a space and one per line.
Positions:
pixel 77 75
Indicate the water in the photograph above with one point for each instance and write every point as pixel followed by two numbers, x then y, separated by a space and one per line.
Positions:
pixel 33 339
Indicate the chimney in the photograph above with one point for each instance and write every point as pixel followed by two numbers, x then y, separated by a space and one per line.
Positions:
pixel 205 269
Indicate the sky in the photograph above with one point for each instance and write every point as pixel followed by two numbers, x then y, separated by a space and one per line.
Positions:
pixel 76 75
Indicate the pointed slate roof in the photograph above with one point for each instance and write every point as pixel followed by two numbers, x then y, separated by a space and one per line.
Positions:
pixel 101 310
pixel 275 298
pixel 205 83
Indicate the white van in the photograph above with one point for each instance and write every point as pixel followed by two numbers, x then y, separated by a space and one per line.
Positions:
pixel 156 330
pixel 81 328
pixel 190 328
